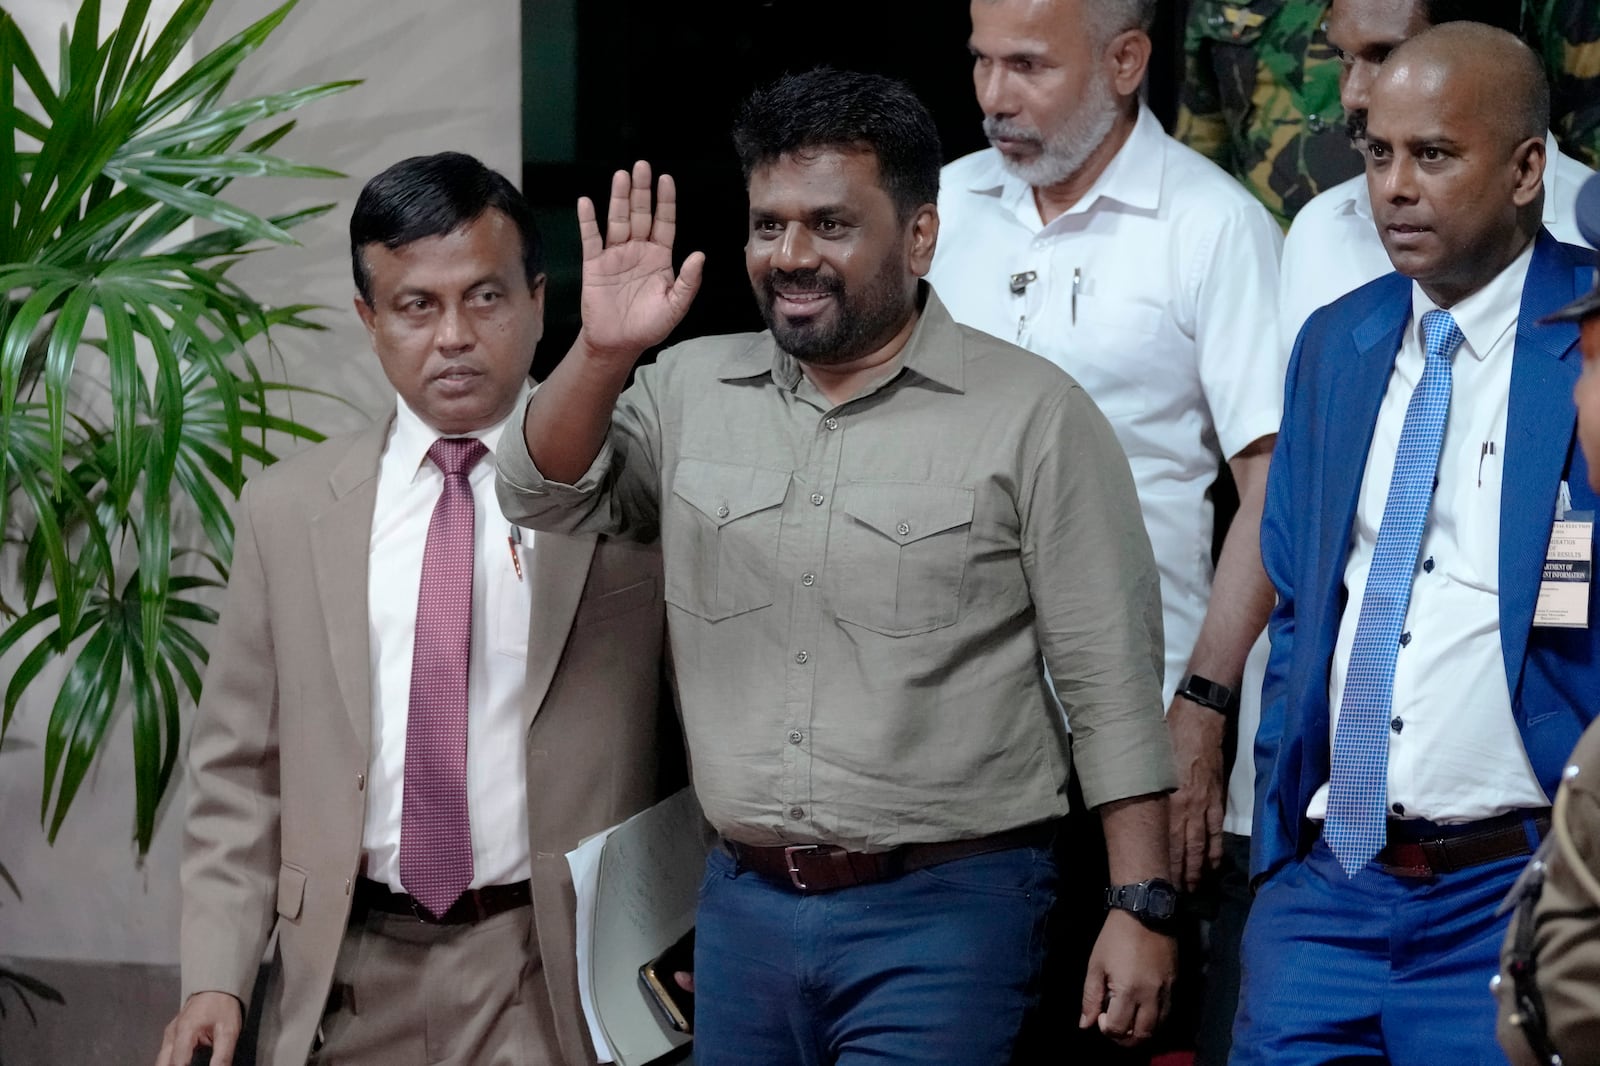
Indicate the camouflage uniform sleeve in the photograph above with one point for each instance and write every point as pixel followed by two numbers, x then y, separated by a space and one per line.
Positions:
pixel 1202 125
pixel 1567 36
pixel 1262 78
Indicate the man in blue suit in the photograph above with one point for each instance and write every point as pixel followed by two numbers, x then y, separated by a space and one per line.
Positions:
pixel 1419 701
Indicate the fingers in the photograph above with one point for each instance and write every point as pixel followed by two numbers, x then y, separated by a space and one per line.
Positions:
pixel 639 216
pixel 1214 835
pixel 617 213
pixel 685 979
pixel 688 283
pixel 1194 853
pixel 665 227
pixel 589 230
pixel 222 1044
pixel 168 1040
pixel 1094 994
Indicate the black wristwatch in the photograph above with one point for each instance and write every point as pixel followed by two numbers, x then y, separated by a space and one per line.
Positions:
pixel 1207 693
pixel 1153 902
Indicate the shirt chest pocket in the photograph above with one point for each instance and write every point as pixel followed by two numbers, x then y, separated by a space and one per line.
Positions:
pixel 898 555
pixel 720 537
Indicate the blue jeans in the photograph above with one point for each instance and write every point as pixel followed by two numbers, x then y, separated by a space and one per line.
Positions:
pixel 1372 968
pixel 932 968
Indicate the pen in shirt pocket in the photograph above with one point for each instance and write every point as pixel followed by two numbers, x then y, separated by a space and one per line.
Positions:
pixel 514 539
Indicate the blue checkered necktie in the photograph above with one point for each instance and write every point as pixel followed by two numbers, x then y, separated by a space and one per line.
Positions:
pixel 1359 791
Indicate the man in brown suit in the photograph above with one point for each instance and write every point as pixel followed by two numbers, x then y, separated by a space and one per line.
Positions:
pixel 411 863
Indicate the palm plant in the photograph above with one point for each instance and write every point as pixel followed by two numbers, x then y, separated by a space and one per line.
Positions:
pixel 97 286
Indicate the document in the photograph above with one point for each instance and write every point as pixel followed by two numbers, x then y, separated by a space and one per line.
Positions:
pixel 636 886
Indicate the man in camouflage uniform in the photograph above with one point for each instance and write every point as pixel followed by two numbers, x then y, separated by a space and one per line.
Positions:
pixel 1261 99
pixel 1261 89
pixel 1566 34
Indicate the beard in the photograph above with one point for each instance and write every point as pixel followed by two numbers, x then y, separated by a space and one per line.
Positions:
pixel 1063 153
pixel 859 321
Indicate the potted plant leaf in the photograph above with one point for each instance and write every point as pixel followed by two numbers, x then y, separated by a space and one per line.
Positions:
pixel 135 392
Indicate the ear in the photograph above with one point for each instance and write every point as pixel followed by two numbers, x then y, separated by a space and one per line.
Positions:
pixel 1128 56
pixel 536 290
pixel 369 318
pixel 923 239
pixel 1528 161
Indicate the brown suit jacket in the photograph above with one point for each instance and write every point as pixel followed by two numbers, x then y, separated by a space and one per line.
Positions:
pixel 281 743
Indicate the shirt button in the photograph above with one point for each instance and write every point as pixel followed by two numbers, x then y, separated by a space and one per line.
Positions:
pixel 1396 724
pixel 904 529
pixel 1316 124
pixel 817 498
pixel 795 736
pixel 1427 565
pixel 722 512
pixel 797 812
pixel 808 580
pixel 831 422
pixel 361 782
pixel 1398 808
pixel 1405 639
pixel 347 886
pixel 801 656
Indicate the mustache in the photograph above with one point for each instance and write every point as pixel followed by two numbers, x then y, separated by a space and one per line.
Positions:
pixel 808 280
pixel 1003 129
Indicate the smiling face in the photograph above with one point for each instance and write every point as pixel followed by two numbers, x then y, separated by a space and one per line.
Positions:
pixel 454 322
pixel 833 267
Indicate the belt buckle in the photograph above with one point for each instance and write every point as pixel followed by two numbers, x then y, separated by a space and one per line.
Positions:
pixel 789 854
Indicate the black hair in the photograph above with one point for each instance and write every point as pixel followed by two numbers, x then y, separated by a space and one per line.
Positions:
pixel 430 196
pixel 1501 14
pixel 825 108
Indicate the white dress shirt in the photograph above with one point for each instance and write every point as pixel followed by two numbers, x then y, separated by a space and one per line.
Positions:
pixel 408 487
pixel 1333 246
pixel 1454 751
pixel 1157 292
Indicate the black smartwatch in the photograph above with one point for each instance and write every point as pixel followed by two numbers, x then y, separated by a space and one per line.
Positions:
pixel 1207 693
pixel 1153 902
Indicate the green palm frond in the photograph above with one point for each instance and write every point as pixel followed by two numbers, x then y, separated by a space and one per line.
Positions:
pixel 94 279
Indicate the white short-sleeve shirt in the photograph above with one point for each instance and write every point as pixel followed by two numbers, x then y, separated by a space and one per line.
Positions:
pixel 1157 292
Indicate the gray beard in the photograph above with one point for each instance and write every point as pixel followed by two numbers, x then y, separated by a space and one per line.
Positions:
pixel 1063 154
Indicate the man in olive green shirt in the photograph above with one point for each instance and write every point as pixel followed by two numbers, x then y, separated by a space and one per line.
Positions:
pixel 879 528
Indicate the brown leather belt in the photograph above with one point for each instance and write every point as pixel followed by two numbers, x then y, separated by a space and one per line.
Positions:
pixel 475 904
pixel 1428 850
pixel 825 867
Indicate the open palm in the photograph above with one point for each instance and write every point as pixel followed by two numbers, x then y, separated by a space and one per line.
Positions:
pixel 631 297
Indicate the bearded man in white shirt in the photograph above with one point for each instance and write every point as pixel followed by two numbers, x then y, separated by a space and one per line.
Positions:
pixel 1089 236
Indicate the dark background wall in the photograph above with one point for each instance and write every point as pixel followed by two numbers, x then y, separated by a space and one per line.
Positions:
pixel 607 83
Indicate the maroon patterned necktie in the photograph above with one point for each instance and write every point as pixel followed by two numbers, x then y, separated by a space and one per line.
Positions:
pixel 435 834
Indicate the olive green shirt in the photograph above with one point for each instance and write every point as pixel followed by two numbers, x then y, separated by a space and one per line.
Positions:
pixel 863 598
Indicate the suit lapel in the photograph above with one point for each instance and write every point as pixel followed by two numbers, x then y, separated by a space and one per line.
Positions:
pixel 1539 422
pixel 557 578
pixel 341 537
pixel 1356 394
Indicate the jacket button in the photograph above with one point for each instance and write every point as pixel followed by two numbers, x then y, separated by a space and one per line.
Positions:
pixel 361 782
pixel 347 886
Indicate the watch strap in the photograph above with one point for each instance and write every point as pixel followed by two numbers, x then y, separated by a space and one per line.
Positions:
pixel 1208 693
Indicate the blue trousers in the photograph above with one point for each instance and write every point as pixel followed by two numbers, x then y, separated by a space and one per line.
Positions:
pixel 934 968
pixel 1374 968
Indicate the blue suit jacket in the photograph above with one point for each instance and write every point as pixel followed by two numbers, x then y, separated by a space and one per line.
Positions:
pixel 1337 378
